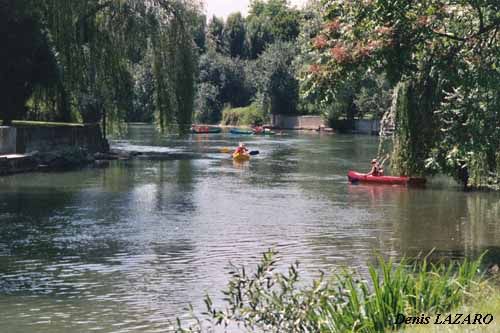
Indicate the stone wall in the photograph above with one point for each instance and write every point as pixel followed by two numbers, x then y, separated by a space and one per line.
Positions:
pixel 27 139
pixel 360 126
pixel 297 122
pixel 51 138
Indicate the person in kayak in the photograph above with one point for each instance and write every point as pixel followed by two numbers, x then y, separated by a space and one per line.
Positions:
pixel 242 149
pixel 258 129
pixel 376 169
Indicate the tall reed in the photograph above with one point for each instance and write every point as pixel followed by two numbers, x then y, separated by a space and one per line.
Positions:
pixel 271 301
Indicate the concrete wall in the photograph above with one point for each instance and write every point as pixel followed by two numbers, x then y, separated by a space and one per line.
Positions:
pixel 297 122
pixel 28 139
pixel 362 126
pixel 8 137
pixel 367 126
pixel 50 138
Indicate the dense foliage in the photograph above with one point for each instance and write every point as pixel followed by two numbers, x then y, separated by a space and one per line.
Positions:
pixel 247 116
pixel 444 56
pixel 270 301
pixel 431 66
pixel 249 62
pixel 79 59
pixel 28 63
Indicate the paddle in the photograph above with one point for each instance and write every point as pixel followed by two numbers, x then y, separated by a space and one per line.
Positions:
pixel 229 150
pixel 381 164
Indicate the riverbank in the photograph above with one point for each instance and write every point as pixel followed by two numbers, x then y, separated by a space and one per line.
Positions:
pixel 57 160
pixel 392 296
pixel 48 146
pixel 485 301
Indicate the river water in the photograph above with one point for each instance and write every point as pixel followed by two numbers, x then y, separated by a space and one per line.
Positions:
pixel 128 248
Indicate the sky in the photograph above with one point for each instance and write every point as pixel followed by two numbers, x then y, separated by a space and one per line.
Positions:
pixel 223 8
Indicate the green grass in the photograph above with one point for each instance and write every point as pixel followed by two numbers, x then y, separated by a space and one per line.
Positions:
pixel 27 123
pixel 484 301
pixel 246 116
pixel 275 302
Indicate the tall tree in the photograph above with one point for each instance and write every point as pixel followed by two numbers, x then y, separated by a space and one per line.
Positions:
pixel 444 56
pixel 235 34
pixel 277 86
pixel 215 35
pixel 98 42
pixel 270 21
pixel 27 60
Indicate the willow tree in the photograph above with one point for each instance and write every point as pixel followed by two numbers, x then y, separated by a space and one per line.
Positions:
pixel 96 43
pixel 27 62
pixel 444 55
pixel 175 57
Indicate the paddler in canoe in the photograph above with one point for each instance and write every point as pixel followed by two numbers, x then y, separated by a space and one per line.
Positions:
pixel 241 153
pixel 377 169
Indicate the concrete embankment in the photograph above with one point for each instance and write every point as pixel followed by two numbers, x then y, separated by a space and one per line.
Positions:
pixel 30 146
pixel 359 126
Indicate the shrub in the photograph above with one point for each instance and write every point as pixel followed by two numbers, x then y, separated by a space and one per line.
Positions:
pixel 270 301
pixel 250 115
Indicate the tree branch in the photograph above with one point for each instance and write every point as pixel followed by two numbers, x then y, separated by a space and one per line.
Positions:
pixel 477 7
pixel 446 35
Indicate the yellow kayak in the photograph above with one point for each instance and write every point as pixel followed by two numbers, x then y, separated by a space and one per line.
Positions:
pixel 241 157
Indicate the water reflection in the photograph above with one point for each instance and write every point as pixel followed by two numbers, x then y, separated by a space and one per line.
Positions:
pixel 127 248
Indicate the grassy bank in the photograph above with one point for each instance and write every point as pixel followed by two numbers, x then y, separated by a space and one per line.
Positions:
pixel 482 301
pixel 27 123
pixel 275 302
pixel 246 116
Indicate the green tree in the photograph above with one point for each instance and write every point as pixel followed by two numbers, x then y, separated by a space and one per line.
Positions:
pixel 277 86
pixel 215 35
pixel 437 52
pixel 235 35
pixel 200 31
pixel 86 50
pixel 270 21
pixel 227 79
pixel 373 97
pixel 27 61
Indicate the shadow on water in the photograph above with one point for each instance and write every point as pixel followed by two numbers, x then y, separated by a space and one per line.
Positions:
pixel 130 246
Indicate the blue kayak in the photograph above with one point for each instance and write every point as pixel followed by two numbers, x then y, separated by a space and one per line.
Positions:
pixel 241 131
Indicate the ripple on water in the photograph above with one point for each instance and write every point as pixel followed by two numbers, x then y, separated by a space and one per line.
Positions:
pixel 126 249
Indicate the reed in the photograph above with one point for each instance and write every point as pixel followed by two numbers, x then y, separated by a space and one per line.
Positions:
pixel 271 301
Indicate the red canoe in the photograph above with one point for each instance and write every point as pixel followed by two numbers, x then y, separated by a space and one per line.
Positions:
pixel 355 177
pixel 205 129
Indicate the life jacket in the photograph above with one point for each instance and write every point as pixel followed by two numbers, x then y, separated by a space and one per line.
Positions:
pixel 378 171
pixel 241 150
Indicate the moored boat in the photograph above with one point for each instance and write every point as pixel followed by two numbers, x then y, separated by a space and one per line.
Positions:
pixel 263 131
pixel 355 177
pixel 205 129
pixel 241 131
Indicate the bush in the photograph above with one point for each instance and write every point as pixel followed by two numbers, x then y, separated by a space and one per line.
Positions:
pixel 270 301
pixel 222 80
pixel 250 115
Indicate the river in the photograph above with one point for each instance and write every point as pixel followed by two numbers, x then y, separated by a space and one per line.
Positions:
pixel 129 247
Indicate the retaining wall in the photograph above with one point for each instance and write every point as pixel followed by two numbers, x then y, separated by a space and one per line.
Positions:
pixel 27 139
pixel 361 126
pixel 297 122
pixel 367 126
